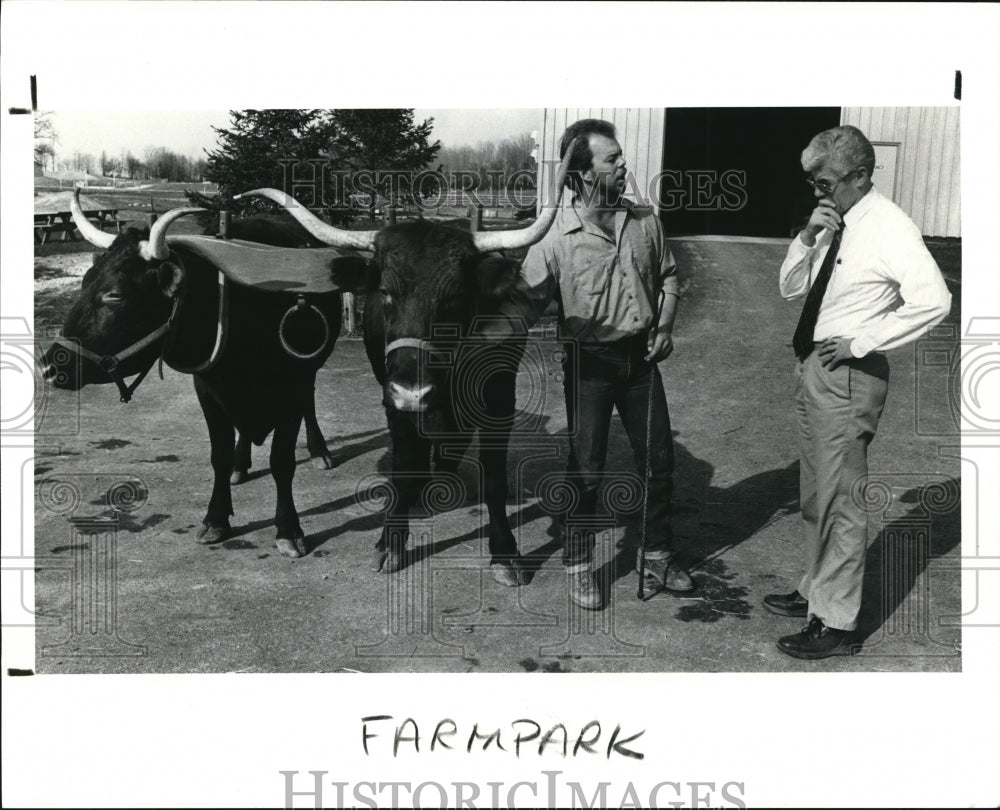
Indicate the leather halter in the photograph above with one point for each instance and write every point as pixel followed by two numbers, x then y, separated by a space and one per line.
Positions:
pixel 109 362
pixel 411 343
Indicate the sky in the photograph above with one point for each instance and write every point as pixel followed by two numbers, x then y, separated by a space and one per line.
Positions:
pixel 188 132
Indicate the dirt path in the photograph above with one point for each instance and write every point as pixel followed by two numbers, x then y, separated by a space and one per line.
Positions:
pixel 240 607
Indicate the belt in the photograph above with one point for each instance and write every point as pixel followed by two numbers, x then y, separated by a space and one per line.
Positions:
pixel 624 343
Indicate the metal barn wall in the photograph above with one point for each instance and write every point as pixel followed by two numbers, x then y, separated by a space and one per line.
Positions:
pixel 640 133
pixel 928 183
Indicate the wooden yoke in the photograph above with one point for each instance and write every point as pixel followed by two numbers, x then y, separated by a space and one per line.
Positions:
pixel 268 268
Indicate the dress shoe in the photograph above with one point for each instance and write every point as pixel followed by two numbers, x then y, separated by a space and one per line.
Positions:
pixel 508 571
pixel 583 590
pixel 787 604
pixel 819 641
pixel 666 574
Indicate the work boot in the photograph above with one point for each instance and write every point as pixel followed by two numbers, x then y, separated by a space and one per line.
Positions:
pixel 666 575
pixel 583 590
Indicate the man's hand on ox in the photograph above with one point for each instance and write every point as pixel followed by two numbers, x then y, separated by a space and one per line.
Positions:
pixel 835 351
pixel 824 216
pixel 660 345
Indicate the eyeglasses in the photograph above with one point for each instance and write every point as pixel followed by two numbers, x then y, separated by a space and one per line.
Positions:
pixel 824 185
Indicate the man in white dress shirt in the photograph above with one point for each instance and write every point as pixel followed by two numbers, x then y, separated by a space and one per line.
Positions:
pixel 870 285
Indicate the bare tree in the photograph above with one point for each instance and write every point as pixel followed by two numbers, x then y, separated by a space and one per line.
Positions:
pixel 45 140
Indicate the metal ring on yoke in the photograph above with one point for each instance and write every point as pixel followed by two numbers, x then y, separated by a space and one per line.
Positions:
pixel 300 306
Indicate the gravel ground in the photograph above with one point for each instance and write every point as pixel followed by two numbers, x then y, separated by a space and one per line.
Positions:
pixel 166 604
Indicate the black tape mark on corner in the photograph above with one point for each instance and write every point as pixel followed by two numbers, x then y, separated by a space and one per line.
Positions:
pixel 17 672
pixel 958 85
pixel 34 100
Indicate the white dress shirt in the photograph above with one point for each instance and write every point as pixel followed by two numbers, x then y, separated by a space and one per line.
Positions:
pixel 886 289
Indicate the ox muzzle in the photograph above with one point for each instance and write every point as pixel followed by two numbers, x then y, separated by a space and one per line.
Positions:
pixel 415 397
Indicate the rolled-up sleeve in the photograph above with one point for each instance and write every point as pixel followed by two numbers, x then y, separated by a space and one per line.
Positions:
pixel 668 274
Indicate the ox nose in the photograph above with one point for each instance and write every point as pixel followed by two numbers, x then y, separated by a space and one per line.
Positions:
pixel 405 398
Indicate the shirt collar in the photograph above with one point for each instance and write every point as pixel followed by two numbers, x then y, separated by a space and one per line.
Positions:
pixel 861 207
pixel 569 218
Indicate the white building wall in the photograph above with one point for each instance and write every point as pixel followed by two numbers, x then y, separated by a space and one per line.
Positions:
pixel 640 133
pixel 928 183
pixel 928 186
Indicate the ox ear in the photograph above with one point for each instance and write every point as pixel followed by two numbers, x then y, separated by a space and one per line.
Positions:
pixel 496 275
pixel 354 274
pixel 171 276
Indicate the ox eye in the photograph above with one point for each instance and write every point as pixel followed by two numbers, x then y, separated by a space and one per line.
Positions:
pixel 111 297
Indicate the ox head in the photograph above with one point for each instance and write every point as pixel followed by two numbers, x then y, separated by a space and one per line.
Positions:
pixel 115 327
pixel 426 285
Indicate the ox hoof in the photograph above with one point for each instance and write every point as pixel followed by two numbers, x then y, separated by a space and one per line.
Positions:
pixel 323 461
pixel 238 477
pixel 209 535
pixel 291 547
pixel 388 561
pixel 508 573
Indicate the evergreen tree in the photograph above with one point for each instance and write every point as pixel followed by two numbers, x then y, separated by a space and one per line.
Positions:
pixel 254 151
pixel 250 150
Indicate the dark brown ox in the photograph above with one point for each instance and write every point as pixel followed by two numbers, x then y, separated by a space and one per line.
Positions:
pixel 281 230
pixel 150 297
pixel 428 288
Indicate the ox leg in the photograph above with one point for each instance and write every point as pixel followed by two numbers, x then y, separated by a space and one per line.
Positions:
pixel 410 468
pixel 216 526
pixel 289 540
pixel 318 451
pixel 446 457
pixel 241 461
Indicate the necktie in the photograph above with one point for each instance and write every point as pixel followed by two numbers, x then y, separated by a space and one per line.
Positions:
pixel 802 342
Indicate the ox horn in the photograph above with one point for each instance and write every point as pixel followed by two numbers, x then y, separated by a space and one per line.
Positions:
pixel 87 229
pixel 487 241
pixel 155 249
pixel 336 237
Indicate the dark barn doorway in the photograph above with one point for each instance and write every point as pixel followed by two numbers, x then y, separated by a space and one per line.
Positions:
pixel 735 170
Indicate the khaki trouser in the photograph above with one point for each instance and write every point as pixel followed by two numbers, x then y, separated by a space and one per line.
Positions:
pixel 837 414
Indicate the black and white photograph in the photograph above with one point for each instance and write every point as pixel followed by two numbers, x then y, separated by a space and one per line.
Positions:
pixel 489 451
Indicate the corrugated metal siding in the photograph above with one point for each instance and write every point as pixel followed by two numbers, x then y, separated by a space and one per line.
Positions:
pixel 640 133
pixel 930 167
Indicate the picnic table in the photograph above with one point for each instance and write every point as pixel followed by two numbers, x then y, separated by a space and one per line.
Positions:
pixel 53 215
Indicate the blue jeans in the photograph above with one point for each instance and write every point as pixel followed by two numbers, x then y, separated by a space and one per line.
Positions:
pixel 597 377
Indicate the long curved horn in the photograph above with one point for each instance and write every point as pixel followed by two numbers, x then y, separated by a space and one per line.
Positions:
pixel 155 249
pixel 359 240
pixel 87 229
pixel 487 241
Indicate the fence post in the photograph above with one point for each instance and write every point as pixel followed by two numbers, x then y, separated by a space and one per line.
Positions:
pixel 225 218
pixel 476 217
pixel 349 312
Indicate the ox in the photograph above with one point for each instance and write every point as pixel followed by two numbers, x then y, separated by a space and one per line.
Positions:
pixel 253 352
pixel 427 287
pixel 280 230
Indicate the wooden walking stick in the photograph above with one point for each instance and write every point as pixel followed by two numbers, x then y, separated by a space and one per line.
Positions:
pixel 649 464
